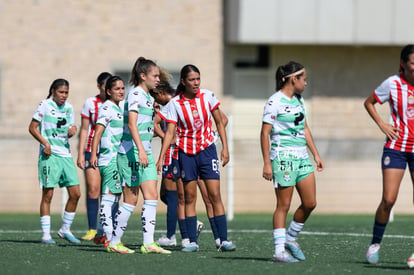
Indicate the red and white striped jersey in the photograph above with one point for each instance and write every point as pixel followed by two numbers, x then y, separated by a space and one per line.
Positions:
pixel 90 111
pixel 193 120
pixel 400 96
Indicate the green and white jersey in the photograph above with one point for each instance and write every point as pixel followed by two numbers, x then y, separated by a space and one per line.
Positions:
pixel 141 102
pixel 54 124
pixel 287 116
pixel 111 117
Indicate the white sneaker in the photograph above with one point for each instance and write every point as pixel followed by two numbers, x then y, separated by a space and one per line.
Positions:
pixel 165 241
pixel 285 257
pixel 372 255
pixel 185 243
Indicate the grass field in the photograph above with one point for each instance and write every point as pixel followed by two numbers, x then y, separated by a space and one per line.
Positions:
pixel 333 244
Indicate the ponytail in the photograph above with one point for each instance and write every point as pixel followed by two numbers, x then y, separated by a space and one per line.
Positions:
pixel 142 65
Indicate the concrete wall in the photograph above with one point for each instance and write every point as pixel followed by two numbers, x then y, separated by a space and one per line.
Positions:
pixel 42 40
pixel 349 22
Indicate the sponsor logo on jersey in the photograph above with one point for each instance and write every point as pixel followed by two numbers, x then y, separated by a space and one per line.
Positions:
pixel 198 124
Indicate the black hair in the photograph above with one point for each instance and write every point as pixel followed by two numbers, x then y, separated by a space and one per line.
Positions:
pixel 183 75
pixel 405 52
pixel 142 65
pixel 284 70
pixel 110 83
pixel 164 86
pixel 57 83
pixel 102 77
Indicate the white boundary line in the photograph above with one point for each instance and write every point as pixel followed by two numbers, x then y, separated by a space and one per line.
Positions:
pixel 246 231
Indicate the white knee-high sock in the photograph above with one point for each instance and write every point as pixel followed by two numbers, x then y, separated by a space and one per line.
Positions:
pixel 148 218
pixel 67 221
pixel 105 214
pixel 121 221
pixel 293 231
pixel 45 225
pixel 279 238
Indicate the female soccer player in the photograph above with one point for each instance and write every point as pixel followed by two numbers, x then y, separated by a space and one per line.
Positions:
pixel 189 113
pixel 89 116
pixel 52 125
pixel 398 91
pixel 135 160
pixel 108 134
pixel 286 160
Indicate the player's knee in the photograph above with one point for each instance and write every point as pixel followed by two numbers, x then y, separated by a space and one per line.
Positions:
pixel 387 203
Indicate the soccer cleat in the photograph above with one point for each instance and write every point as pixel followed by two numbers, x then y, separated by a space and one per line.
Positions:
pixel 68 236
pixel 373 253
pixel 200 227
pixel 48 241
pixel 227 246
pixel 284 257
pixel 106 244
pixel 165 241
pixel 119 248
pixel 191 247
pixel 185 242
pixel 99 240
pixel 90 235
pixel 153 248
pixel 295 250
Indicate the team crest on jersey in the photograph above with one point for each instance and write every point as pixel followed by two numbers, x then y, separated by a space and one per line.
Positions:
pixel 387 161
pixel 411 99
pixel 286 176
pixel 134 177
pixel 195 113
pixel 410 113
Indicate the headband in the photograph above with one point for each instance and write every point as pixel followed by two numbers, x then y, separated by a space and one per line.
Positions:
pixel 293 74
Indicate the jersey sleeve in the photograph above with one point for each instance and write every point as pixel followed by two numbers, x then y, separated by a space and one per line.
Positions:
pixel 134 101
pixel 40 111
pixel 86 110
pixel 214 102
pixel 270 111
pixel 382 92
pixel 103 115
pixel 169 113
pixel 72 118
